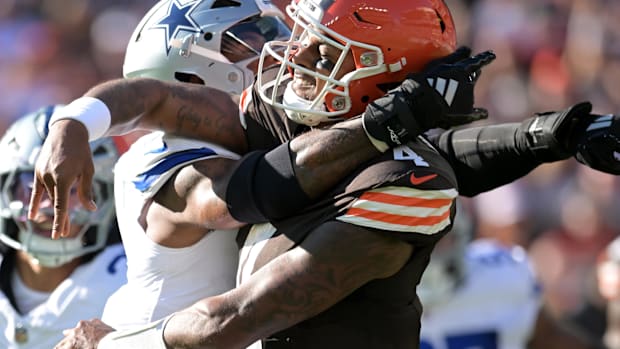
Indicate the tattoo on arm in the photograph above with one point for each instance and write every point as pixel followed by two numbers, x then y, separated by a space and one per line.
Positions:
pixel 324 157
pixel 334 261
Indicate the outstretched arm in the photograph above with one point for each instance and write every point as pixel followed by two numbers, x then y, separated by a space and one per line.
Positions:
pixel 183 109
pixel 293 287
pixel 487 157
pixel 186 110
pixel 331 263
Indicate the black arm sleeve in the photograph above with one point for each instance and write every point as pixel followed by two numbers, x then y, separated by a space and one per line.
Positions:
pixel 264 188
pixel 486 157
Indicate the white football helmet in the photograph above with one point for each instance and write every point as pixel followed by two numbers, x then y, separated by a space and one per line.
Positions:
pixel 213 42
pixel 446 270
pixel 19 150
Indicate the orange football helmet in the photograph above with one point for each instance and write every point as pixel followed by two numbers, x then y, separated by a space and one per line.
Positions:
pixel 387 38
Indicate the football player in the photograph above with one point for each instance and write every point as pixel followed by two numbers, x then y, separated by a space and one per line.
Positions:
pixel 47 285
pixel 162 182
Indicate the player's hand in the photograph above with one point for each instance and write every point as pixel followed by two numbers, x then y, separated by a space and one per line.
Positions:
pixel 554 135
pixel 65 158
pixel 442 95
pixel 599 144
pixel 86 335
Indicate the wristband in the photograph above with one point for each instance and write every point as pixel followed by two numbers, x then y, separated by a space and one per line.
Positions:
pixel 90 111
pixel 149 336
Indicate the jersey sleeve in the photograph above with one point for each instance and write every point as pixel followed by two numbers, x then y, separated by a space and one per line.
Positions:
pixel 403 209
pixel 153 159
pixel 410 195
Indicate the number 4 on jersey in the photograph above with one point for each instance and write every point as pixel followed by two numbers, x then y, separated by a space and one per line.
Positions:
pixel 403 152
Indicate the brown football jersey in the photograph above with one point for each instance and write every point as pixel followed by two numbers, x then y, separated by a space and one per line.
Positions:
pixel 408 193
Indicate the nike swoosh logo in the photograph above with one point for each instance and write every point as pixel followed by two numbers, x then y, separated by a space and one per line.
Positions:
pixel 419 180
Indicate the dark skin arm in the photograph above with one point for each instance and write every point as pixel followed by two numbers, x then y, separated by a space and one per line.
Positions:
pixel 335 260
pixel 190 203
pixel 331 263
pixel 186 208
pixel 321 157
pixel 188 110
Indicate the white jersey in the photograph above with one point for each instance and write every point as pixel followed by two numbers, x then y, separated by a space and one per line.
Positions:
pixel 162 280
pixel 495 308
pixel 81 296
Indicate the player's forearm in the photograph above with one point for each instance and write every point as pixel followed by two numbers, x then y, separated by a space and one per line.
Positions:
pixel 486 157
pixel 323 157
pixel 282 182
pixel 235 319
pixel 197 328
pixel 188 110
pixel 333 261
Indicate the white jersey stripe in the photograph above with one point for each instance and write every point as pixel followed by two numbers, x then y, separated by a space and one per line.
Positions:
pixel 417 193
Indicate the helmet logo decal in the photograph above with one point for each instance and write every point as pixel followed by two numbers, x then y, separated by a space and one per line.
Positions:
pixel 178 19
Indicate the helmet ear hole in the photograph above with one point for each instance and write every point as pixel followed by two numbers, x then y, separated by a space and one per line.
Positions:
pixel 191 78
pixel 442 23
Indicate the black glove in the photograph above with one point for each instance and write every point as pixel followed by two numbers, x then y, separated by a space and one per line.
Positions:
pixel 599 145
pixel 554 135
pixel 442 95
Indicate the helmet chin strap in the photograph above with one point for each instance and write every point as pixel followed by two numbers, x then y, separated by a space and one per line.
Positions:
pixel 292 103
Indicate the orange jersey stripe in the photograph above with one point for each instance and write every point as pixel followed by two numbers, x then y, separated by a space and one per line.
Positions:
pixel 398 219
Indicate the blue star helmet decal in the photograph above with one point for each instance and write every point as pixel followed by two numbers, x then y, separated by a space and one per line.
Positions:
pixel 178 19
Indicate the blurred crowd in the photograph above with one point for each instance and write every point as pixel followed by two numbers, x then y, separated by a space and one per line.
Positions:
pixel 53 50
pixel 551 54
